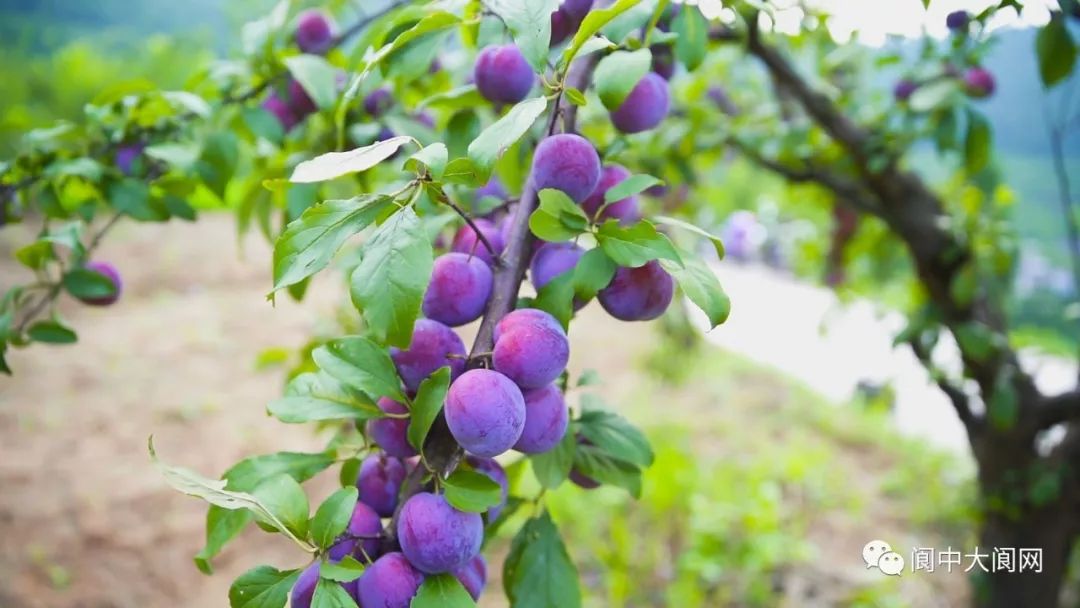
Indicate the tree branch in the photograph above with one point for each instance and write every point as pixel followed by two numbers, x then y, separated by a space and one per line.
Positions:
pixel 1059 409
pixel 441 453
pixel 960 401
pixel 844 188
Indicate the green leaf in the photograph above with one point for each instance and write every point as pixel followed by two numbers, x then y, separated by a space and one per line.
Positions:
pixel 434 22
pixel 977 145
pixel 132 198
pixel 630 186
pixel 361 364
pixel 312 397
pixel 35 255
pixel 222 525
pixel 530 23
pixel 283 497
pixel 472 492
pixel 309 243
pixel 245 475
pixel 213 491
pixel 70 236
pixel 184 155
pixel 575 96
pixel 615 436
pixel 597 464
pixel 345 571
pixel 316 76
pixel 538 572
pixel 677 223
pixel 594 21
pixel 51 332
pixel 218 161
pixel 336 164
pixel 463 171
pixel 557 218
pixel 262 587
pixel 593 272
pixel 88 284
pixel 700 284
pixel 442 591
pixel 434 157
pixel 617 74
pixel 330 594
pixel 635 245
pixel 1056 50
pixel 494 140
pixel 332 517
pixel 693 41
pixel 553 467
pixel 933 95
pixel 389 283
pixel 427 405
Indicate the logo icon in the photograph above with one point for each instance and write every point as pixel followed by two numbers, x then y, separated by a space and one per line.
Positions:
pixel 879 554
pixel 873 551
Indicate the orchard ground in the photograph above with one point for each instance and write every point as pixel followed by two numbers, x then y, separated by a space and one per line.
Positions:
pixel 762 492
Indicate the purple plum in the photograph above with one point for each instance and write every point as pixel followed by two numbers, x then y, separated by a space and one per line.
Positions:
pixel 566 162
pixel 473 576
pixel 531 349
pixel 979 82
pixel 303 590
pixel 315 31
pixel 646 106
pixel 281 110
pixel 957 20
pixel 365 522
pixel 663 60
pixel 379 482
pixel 566 20
pixel 110 272
pixel 126 155
pixel 638 294
pixel 546 420
pixel 904 89
pixel 491 468
pixel 485 412
pixel 552 260
pixel 526 317
pixel 391 434
pixel 583 481
pixel 466 241
pixel 502 75
pixel 459 289
pixel 378 102
pixel 390 582
pixel 433 345
pixel 300 102
pixel 625 210
pixel 435 537
pixel 494 188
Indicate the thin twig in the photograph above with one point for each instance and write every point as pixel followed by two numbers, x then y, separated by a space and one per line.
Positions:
pixel 444 199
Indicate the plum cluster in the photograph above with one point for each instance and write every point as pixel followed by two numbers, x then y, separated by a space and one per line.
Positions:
pixel 511 398
pixel 976 81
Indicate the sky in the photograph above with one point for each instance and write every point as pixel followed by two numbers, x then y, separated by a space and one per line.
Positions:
pixel 873 20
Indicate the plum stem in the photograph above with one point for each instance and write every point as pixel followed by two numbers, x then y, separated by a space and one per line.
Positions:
pixel 444 199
